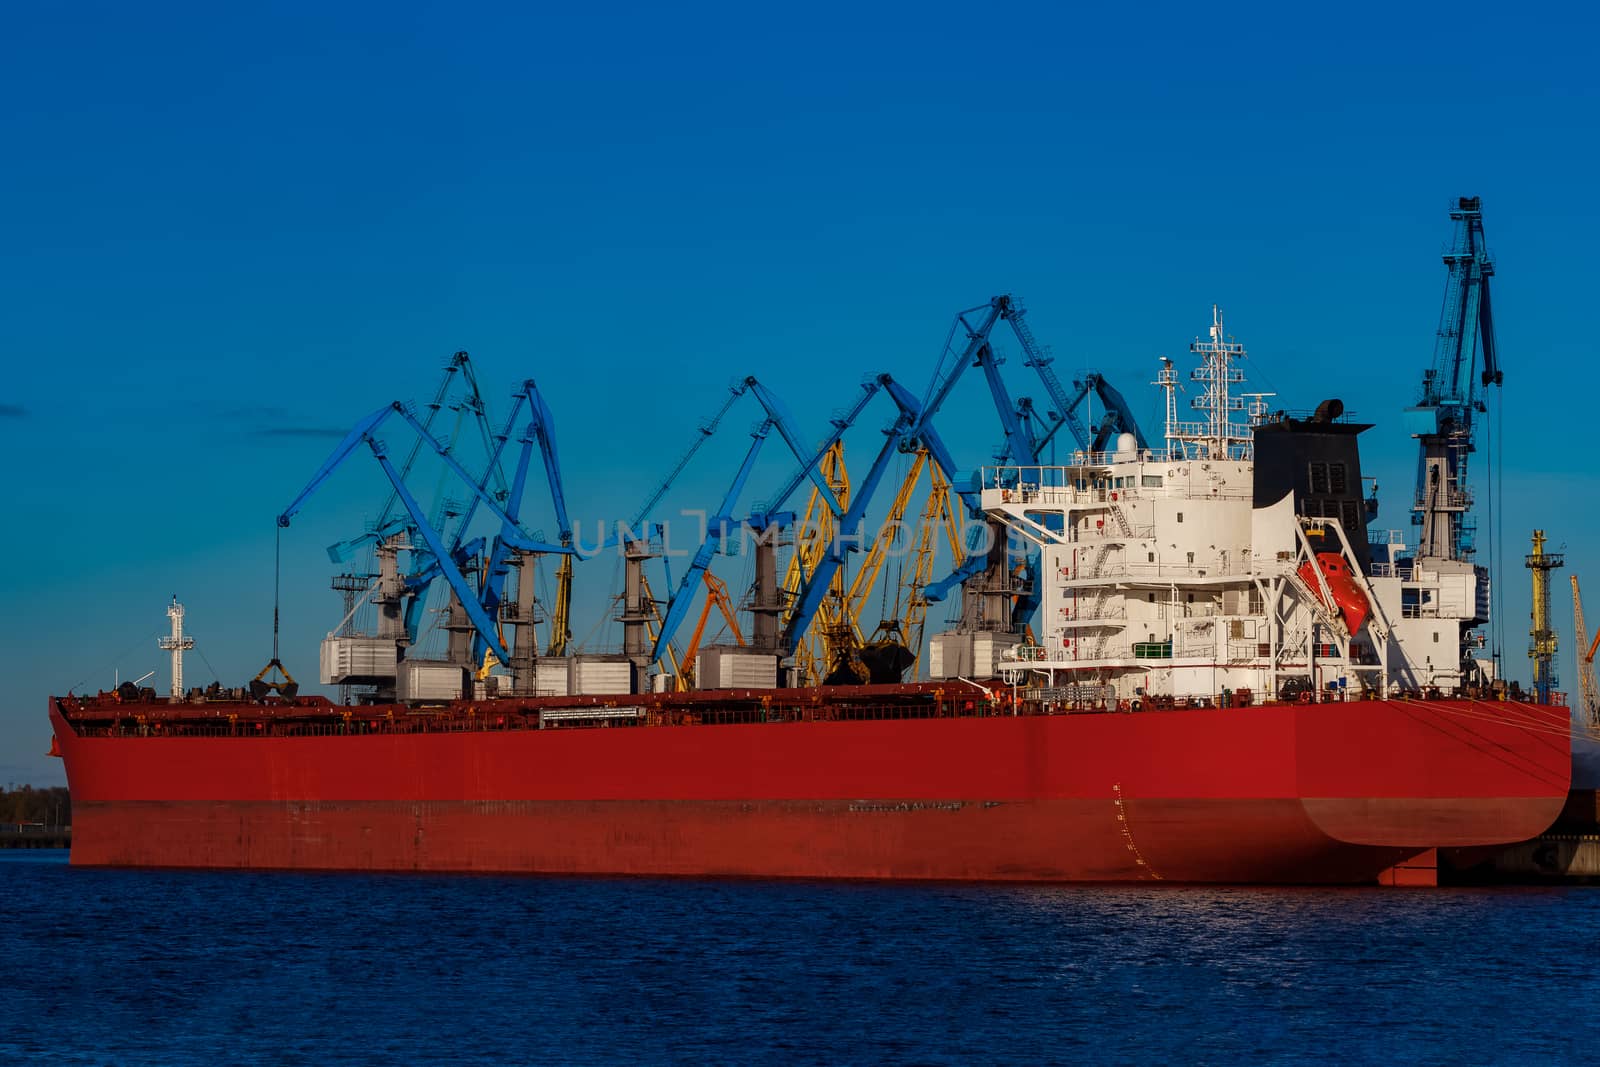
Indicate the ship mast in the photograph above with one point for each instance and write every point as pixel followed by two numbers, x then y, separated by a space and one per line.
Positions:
pixel 177 644
pixel 1167 382
pixel 1217 435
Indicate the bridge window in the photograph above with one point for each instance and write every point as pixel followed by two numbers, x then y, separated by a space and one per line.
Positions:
pixel 1152 481
pixel 1336 479
pixel 1319 478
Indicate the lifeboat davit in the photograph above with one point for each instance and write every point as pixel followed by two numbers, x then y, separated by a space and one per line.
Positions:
pixel 1348 599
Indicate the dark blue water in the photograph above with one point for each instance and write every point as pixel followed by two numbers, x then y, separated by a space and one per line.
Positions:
pixel 176 968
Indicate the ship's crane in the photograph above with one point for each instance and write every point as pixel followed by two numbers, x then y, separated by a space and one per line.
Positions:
pixel 1443 417
pixel 1586 680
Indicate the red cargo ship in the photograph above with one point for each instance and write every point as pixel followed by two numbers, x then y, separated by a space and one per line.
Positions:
pixel 902 782
pixel 1193 662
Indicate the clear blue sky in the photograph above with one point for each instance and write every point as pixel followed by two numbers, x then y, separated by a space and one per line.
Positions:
pixel 230 231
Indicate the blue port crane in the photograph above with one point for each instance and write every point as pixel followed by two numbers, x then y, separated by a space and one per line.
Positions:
pixel 718 526
pixel 969 344
pixel 539 432
pixel 1442 419
pixel 912 431
pixel 449 559
pixel 767 515
pixel 1117 418
pixel 1020 447
pixel 976 325
pixel 471 412
pixel 391 518
pixel 849 536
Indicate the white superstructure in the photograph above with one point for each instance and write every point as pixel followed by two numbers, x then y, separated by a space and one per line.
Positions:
pixel 1165 575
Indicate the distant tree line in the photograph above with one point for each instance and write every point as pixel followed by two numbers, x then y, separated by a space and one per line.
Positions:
pixel 51 806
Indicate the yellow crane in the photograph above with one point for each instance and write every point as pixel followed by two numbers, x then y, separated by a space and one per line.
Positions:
pixel 561 616
pixel 652 624
pixel 834 643
pixel 867 576
pixel 561 612
pixel 895 645
pixel 1542 647
pixel 812 537
pixel 937 515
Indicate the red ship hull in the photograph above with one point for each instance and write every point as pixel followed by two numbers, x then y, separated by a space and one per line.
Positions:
pixel 1331 793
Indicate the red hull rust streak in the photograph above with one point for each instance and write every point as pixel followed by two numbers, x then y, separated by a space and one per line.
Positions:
pixel 1330 793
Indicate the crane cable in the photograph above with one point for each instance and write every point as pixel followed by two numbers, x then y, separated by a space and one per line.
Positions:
pixel 287 686
pixel 277 574
pixel 1493 553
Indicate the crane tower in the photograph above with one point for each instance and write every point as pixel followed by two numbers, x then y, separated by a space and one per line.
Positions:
pixel 1442 419
pixel 1542 647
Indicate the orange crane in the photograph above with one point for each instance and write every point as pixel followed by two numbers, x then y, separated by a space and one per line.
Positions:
pixel 1586 680
pixel 716 594
pixel 1586 663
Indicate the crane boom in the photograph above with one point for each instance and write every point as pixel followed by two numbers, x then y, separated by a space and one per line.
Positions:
pixel 704 431
pixel 1118 418
pixel 485 626
pixel 716 529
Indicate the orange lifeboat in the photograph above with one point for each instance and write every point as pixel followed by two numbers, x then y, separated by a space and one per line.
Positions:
pixel 1348 599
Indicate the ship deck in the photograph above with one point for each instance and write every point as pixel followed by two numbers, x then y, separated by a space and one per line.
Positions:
pixel 108 715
